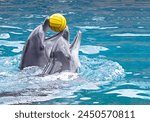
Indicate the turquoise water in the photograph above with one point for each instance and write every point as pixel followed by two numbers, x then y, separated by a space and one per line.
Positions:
pixel 114 53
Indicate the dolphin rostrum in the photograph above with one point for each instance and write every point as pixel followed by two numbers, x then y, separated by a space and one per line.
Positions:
pixel 34 50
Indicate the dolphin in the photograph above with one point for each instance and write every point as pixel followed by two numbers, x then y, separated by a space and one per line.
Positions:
pixel 54 54
pixel 36 51
pixel 63 56
pixel 49 42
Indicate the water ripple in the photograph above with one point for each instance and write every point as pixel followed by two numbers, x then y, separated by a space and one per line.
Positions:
pixel 89 49
pixel 11 27
pixel 132 93
pixel 130 34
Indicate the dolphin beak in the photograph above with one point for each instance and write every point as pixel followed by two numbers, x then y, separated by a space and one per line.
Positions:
pixel 76 43
pixel 74 49
pixel 66 34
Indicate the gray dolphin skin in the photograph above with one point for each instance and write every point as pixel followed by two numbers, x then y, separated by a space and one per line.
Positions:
pixel 63 56
pixel 54 54
pixel 49 42
pixel 34 50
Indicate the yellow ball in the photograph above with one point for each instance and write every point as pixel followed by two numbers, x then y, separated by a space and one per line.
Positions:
pixel 57 22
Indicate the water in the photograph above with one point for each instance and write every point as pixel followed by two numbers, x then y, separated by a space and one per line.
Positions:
pixel 114 53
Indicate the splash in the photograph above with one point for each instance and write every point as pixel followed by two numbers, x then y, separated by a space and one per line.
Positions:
pixel 26 87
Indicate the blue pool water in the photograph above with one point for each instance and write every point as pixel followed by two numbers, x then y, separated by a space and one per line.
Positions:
pixel 114 53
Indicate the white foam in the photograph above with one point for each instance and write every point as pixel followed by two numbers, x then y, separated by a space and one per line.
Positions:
pixel 3 73
pixel 4 36
pixel 89 49
pixel 101 69
pixel 32 89
pixel 85 98
pixel 19 49
pixel 130 34
pixel 26 87
pixel 64 76
pixel 132 93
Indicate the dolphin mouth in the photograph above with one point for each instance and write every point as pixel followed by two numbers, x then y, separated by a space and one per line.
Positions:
pixel 66 34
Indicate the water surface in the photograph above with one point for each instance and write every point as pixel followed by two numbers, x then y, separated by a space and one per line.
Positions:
pixel 114 53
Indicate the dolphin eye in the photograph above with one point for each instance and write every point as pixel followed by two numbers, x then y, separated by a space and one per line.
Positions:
pixel 69 57
pixel 42 47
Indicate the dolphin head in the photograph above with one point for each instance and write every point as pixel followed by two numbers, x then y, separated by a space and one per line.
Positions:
pixel 62 55
pixel 50 42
